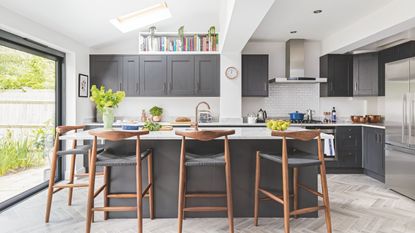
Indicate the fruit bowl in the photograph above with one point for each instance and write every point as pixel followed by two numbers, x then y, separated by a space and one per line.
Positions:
pixel 278 125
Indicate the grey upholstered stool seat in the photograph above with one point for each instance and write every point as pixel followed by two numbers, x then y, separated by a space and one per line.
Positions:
pixel 193 160
pixel 297 159
pixel 80 150
pixel 108 159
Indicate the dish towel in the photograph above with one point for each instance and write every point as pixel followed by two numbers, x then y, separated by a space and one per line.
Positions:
pixel 329 147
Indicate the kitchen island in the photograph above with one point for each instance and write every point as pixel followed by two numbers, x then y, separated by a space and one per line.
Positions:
pixel 243 145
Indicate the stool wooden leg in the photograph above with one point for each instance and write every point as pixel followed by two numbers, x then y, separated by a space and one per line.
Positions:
pixel 150 181
pixel 106 200
pixel 139 194
pixel 285 188
pixel 51 184
pixel 257 182
pixel 181 188
pixel 71 178
pixel 325 197
pixel 90 202
pixel 228 186
pixel 295 189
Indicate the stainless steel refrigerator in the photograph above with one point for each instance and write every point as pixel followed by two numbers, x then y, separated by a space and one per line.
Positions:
pixel 400 126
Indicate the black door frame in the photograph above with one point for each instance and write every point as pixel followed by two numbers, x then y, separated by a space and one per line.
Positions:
pixel 29 46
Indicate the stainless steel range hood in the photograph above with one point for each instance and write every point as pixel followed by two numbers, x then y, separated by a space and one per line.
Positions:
pixel 295 63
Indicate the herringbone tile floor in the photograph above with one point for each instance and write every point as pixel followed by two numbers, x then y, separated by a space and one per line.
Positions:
pixel 358 203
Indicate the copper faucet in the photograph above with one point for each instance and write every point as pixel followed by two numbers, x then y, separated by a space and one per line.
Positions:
pixel 197 113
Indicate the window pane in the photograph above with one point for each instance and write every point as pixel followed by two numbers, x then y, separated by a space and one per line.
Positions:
pixel 27 106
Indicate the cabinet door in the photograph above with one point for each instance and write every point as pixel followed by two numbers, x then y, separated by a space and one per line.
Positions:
pixel 207 71
pixel 153 75
pixel 255 75
pixel 340 76
pixel 181 75
pixel 374 150
pixel 130 79
pixel 365 74
pixel 349 146
pixel 106 70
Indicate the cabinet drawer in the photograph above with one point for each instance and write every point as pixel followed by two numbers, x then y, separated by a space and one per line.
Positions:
pixel 349 158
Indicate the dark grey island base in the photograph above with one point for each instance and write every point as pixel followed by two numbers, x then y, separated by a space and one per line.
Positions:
pixel 166 177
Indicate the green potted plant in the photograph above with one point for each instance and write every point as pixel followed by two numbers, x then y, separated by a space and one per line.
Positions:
pixel 156 113
pixel 105 102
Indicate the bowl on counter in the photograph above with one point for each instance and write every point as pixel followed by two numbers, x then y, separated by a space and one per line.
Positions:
pixel 296 116
pixel 359 119
pixel 374 118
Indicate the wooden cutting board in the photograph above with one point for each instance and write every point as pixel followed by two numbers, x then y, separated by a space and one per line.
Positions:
pixel 181 122
pixel 163 128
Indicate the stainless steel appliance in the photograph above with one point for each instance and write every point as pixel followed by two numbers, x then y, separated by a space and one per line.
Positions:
pixel 400 126
pixel 261 116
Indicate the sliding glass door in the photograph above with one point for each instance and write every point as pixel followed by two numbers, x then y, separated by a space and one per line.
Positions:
pixel 30 105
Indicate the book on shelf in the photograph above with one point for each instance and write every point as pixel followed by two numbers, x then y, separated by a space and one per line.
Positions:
pixel 189 43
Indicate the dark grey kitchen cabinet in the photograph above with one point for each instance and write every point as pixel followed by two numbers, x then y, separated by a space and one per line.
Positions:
pixel 181 75
pixel 349 146
pixel 207 74
pixel 365 74
pixel 374 152
pixel 130 81
pixel 338 69
pixel 106 70
pixel 255 75
pixel 153 75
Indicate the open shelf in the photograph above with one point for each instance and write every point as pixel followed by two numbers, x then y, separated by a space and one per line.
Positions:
pixel 171 43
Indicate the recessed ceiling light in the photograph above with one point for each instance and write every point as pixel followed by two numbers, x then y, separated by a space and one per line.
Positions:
pixel 293 32
pixel 317 11
pixel 142 18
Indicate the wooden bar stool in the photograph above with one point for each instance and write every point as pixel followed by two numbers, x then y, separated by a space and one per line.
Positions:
pixel 190 160
pixel 75 150
pixel 106 159
pixel 295 162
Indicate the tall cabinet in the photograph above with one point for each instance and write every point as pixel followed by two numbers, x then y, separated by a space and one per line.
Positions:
pixel 107 70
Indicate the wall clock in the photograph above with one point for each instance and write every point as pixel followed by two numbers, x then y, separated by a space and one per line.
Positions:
pixel 231 72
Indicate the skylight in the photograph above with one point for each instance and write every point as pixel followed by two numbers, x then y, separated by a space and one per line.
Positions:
pixel 142 18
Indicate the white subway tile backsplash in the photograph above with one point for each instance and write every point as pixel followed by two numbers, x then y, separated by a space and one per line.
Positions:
pixel 285 98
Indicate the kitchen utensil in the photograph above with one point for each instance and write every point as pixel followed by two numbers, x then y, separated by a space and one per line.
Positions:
pixel 205 116
pixel 374 118
pixel 355 118
pixel 309 115
pixel 261 116
pixel 296 116
pixel 252 118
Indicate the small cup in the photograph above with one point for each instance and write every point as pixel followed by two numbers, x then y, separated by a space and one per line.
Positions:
pixel 252 120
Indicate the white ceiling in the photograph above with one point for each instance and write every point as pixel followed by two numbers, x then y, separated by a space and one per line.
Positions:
pixel 87 21
pixel 297 15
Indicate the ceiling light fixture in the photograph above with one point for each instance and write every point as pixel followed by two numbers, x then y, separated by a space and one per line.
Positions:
pixel 317 11
pixel 142 18
pixel 293 32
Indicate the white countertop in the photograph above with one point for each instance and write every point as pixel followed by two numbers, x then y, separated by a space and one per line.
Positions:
pixel 241 133
pixel 232 124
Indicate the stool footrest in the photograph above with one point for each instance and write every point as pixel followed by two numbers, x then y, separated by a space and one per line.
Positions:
pixel 308 189
pixel 70 185
pixel 272 196
pixel 99 191
pixel 116 208
pixel 205 209
pixel 122 195
pixel 306 210
pixel 146 190
pixel 205 195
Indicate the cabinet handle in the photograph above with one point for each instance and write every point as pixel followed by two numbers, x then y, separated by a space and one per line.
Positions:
pixel 136 87
pixel 350 136
pixel 197 86
pixel 265 86
pixel 170 86
pixel 355 86
pixel 120 87
pixel 164 88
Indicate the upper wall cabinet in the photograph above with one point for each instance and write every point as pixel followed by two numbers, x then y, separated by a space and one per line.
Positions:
pixel 338 69
pixel 365 74
pixel 181 75
pixel 207 73
pixel 153 75
pixel 157 75
pixel 255 75
pixel 107 70
pixel 130 83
